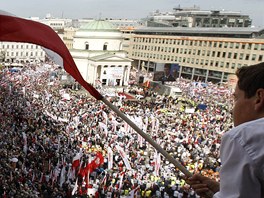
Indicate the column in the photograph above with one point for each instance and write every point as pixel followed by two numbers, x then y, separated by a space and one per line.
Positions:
pixel 148 67
pixel 207 74
pixel 139 62
pixel 222 77
pixel 127 74
pixel 94 74
pixel 193 70
pixel 180 72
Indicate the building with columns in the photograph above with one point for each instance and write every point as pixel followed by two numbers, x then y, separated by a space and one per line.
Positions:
pixel 98 54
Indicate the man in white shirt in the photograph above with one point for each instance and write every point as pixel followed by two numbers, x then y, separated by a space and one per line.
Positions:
pixel 242 150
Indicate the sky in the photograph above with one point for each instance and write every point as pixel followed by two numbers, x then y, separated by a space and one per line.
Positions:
pixel 125 9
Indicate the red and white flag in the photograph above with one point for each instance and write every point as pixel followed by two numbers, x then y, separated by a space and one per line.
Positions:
pixel 110 158
pixel 15 29
pixel 123 156
pixel 157 164
pixel 75 188
pixel 76 160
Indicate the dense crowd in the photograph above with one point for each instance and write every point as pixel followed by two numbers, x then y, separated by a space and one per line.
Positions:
pixel 45 127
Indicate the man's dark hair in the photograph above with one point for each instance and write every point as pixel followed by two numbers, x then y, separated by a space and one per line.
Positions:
pixel 250 79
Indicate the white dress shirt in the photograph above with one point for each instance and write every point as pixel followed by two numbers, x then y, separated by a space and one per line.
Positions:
pixel 242 157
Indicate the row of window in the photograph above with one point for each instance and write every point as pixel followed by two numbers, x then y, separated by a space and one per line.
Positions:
pixel 19 46
pixel 198 61
pixel 23 53
pixel 57 24
pixel 87 46
pixel 200 43
pixel 200 53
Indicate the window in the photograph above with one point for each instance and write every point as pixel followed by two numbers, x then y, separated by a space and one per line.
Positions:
pixel 260 58
pixel 105 46
pixel 215 44
pixel 247 57
pixel 241 55
pixel 181 51
pixel 86 46
pixel 213 53
pixel 216 63
pixel 254 57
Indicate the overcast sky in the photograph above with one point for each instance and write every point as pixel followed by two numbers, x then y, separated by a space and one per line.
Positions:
pixel 130 9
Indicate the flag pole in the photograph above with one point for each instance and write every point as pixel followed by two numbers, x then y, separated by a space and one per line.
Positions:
pixel 175 162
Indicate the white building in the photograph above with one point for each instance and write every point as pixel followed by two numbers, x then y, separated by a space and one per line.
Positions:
pixel 16 52
pixel 97 52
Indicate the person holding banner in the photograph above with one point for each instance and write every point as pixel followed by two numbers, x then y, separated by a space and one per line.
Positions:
pixel 242 151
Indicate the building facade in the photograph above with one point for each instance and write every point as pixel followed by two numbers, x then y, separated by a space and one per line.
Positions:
pixel 194 17
pixel 97 52
pixel 15 52
pixel 208 54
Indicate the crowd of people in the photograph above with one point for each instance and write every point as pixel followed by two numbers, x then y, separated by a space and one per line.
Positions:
pixel 45 127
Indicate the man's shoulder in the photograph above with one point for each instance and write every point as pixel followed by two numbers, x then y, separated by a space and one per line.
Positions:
pixel 248 131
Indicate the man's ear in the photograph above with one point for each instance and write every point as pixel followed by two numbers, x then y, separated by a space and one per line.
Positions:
pixel 259 102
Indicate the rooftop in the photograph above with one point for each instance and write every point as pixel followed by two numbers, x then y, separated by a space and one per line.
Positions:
pixel 99 25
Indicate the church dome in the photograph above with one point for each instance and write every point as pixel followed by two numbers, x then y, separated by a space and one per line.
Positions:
pixel 99 25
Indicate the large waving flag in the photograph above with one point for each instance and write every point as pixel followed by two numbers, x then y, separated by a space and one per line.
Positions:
pixel 15 29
